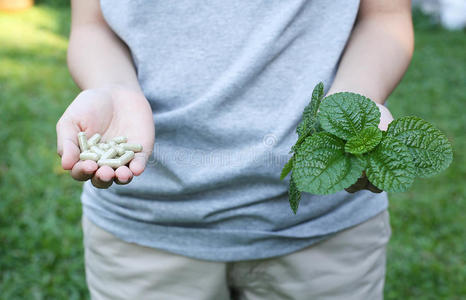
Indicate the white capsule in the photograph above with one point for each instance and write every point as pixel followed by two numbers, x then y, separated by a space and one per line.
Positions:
pixel 94 139
pixel 88 155
pixel 110 153
pixel 111 162
pixel 120 150
pixel 97 150
pixel 120 139
pixel 103 146
pixel 126 158
pixel 112 144
pixel 82 140
pixel 131 147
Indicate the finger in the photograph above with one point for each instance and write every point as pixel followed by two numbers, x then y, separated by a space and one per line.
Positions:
pixel 123 175
pixel 385 117
pixel 103 177
pixel 67 143
pixel 373 188
pixel 84 170
pixel 105 174
pixel 100 184
pixel 122 183
pixel 360 184
pixel 70 154
pixel 138 164
pixel 352 189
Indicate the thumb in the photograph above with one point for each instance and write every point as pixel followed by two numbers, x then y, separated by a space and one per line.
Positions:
pixel 67 143
pixel 385 117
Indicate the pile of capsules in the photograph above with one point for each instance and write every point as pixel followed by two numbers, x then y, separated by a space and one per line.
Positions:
pixel 114 153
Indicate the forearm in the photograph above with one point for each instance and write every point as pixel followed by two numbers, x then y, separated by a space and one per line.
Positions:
pixel 96 56
pixel 97 59
pixel 377 55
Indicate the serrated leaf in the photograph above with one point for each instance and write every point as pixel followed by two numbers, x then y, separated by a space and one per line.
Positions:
pixel 429 147
pixel 308 123
pixel 366 140
pixel 321 165
pixel 317 94
pixel 304 128
pixel 287 168
pixel 390 166
pixel 346 114
pixel 294 196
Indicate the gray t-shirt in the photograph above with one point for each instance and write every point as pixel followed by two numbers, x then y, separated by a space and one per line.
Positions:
pixel 227 82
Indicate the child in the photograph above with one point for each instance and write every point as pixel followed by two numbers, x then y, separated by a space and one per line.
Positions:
pixel 225 83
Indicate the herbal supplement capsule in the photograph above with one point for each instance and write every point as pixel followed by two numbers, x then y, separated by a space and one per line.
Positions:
pixel 103 146
pixel 111 162
pixel 97 150
pixel 94 139
pixel 110 153
pixel 112 144
pixel 120 139
pixel 88 155
pixel 126 158
pixel 132 147
pixel 82 141
pixel 120 150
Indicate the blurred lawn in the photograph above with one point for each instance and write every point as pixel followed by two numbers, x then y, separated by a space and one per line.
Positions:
pixel 41 254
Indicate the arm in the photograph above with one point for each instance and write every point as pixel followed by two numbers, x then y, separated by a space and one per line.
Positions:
pixel 376 57
pixel 379 50
pixel 96 56
pixel 111 102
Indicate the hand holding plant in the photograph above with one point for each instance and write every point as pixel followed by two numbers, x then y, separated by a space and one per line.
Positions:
pixel 339 141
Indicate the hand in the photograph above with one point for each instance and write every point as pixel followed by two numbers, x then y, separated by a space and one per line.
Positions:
pixel 363 183
pixel 111 111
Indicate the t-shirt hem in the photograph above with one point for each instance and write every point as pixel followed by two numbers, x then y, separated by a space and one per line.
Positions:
pixel 265 247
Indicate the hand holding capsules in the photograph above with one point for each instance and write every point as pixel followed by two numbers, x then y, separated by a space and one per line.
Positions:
pixel 111 111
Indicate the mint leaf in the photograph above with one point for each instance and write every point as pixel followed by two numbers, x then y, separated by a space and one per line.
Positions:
pixel 321 165
pixel 287 168
pixel 390 166
pixel 304 128
pixel 310 111
pixel 429 147
pixel 339 141
pixel 294 196
pixel 308 124
pixel 345 114
pixel 364 141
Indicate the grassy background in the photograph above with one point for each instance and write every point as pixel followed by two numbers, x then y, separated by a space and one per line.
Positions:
pixel 41 254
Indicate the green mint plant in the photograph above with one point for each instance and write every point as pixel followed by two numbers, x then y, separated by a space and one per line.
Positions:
pixel 339 141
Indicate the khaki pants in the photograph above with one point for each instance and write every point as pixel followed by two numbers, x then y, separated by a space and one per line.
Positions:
pixel 349 265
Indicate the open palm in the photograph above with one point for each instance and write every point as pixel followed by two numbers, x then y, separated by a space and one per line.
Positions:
pixel 111 112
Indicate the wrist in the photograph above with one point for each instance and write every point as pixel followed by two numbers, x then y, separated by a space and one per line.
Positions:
pixel 375 97
pixel 120 86
pixel 114 90
pixel 385 115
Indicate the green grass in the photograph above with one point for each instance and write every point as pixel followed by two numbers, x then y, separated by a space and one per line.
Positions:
pixel 41 255
pixel 40 237
pixel 426 256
